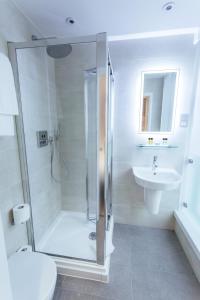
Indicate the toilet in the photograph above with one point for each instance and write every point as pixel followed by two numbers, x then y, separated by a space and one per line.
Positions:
pixel 32 275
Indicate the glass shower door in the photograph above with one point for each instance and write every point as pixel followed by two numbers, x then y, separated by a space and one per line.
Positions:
pixel 65 143
pixel 53 118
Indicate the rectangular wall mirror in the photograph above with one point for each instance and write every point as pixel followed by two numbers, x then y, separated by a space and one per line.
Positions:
pixel 158 101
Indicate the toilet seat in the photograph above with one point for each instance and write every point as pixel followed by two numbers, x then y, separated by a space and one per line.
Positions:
pixel 33 276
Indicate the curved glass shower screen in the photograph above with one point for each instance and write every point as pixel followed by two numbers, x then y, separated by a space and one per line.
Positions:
pixel 53 95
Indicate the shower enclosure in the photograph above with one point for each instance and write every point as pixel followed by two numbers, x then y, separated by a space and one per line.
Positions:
pixel 65 95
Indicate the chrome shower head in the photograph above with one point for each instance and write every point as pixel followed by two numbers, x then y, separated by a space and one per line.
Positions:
pixel 59 51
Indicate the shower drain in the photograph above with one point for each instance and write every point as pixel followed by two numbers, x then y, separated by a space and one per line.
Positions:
pixel 92 236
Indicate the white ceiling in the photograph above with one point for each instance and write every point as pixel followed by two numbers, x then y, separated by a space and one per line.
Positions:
pixel 117 17
pixel 124 53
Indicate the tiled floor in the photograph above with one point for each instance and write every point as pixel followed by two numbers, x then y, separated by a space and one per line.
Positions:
pixel 148 264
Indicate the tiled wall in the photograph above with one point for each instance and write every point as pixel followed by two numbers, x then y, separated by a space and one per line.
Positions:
pixel 129 59
pixel 13 27
pixel 71 93
pixel 38 96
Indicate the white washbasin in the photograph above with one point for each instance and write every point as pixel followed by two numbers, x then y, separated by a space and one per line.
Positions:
pixel 155 184
pixel 164 180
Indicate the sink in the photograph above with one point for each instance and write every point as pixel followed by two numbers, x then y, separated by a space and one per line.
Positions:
pixel 163 180
pixel 154 184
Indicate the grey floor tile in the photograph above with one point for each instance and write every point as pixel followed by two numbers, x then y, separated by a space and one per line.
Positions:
pixel 63 294
pixel 147 264
pixel 57 294
pixel 164 286
pixel 123 232
pixel 122 253
pixel 119 287
pixel 155 239
pixel 158 261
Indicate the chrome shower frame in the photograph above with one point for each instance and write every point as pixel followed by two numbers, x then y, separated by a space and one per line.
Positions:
pixel 102 98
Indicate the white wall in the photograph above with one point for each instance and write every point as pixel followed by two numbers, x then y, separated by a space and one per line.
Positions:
pixel 13 27
pixel 129 59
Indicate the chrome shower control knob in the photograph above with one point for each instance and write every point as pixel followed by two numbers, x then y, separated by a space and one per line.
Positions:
pixel 190 161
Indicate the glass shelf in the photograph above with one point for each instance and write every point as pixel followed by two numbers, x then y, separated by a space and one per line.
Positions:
pixel 157 146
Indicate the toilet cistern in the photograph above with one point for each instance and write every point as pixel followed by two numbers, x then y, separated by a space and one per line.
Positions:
pixel 155 164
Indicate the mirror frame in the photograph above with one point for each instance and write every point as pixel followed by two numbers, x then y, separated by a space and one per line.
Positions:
pixel 143 73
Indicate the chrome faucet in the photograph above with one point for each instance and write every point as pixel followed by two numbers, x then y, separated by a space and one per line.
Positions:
pixel 155 164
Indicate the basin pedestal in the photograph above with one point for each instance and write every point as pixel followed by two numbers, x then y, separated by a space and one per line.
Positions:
pixel 152 200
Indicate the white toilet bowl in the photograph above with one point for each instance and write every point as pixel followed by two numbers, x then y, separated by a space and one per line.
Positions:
pixel 33 276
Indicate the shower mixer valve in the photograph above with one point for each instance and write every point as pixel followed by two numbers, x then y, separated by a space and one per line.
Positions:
pixel 42 138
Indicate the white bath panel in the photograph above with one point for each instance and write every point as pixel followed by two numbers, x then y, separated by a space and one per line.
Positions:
pixel 187 231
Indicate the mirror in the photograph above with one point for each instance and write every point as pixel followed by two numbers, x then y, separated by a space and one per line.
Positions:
pixel 158 101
